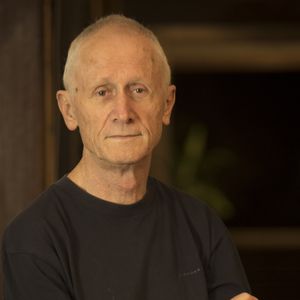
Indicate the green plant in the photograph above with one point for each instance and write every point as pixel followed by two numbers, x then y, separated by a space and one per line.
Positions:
pixel 198 168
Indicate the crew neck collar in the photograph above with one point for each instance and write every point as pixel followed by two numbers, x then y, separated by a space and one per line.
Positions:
pixel 105 206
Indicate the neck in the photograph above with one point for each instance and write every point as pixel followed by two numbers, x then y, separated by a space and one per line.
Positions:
pixel 122 184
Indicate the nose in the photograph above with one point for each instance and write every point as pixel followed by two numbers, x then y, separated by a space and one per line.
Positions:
pixel 123 111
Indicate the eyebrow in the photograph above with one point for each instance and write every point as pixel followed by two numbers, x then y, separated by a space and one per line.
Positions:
pixel 100 82
pixel 107 81
pixel 134 82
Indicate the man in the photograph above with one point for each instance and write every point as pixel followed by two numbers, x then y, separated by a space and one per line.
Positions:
pixel 107 230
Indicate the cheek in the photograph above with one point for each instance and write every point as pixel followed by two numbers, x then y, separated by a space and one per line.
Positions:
pixel 157 116
pixel 88 126
pixel 155 121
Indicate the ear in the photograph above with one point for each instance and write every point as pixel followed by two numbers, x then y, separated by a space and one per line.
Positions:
pixel 66 107
pixel 169 103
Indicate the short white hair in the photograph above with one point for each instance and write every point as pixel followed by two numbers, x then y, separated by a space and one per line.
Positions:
pixel 126 24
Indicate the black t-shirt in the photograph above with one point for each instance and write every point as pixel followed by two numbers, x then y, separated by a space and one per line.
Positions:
pixel 70 245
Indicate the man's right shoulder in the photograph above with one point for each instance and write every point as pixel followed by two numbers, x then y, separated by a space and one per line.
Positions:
pixel 30 228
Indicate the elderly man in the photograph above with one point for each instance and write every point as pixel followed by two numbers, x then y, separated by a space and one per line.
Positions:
pixel 106 230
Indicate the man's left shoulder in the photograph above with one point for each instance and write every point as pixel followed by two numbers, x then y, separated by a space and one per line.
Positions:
pixel 192 218
pixel 183 201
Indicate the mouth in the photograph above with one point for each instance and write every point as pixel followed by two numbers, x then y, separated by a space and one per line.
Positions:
pixel 124 136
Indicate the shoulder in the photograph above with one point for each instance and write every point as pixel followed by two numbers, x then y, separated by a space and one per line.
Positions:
pixel 181 199
pixel 193 210
pixel 195 223
pixel 30 231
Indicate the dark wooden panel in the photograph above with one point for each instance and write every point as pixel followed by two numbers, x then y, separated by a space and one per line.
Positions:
pixel 69 18
pixel 21 112
pixel 273 274
pixel 216 11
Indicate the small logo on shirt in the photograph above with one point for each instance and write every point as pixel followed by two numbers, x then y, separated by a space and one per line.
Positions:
pixel 190 273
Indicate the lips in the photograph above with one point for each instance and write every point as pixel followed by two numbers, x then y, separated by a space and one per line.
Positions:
pixel 124 136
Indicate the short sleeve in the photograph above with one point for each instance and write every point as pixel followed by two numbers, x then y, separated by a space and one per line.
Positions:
pixel 27 277
pixel 226 276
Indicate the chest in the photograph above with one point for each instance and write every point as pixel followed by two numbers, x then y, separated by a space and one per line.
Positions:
pixel 147 257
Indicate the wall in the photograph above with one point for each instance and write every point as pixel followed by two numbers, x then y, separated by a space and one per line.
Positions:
pixel 21 113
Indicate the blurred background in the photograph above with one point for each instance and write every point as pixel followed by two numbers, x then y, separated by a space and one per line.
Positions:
pixel 234 138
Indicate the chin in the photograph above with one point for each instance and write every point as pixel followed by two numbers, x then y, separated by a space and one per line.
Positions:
pixel 127 159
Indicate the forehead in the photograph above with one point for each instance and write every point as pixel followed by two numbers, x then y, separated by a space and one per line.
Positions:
pixel 110 53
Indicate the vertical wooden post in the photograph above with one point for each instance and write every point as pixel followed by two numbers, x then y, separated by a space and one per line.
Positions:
pixel 50 111
pixel 22 107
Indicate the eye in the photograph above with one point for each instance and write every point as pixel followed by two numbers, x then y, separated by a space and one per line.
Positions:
pixel 102 92
pixel 139 90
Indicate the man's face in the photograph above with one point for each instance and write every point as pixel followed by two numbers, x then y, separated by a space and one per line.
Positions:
pixel 120 99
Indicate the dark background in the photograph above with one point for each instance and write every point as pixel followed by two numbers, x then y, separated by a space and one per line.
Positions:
pixel 255 116
pixel 237 80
